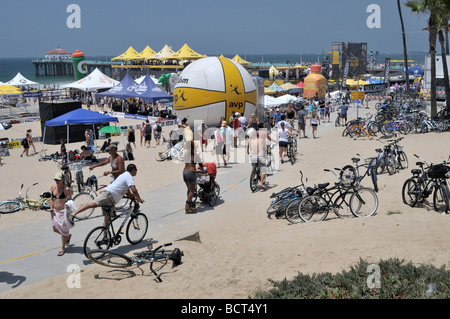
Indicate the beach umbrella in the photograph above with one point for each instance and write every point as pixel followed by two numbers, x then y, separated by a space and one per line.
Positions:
pixel 111 129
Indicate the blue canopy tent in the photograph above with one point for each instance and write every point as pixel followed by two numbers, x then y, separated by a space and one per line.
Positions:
pixel 121 90
pixel 78 116
pixel 149 91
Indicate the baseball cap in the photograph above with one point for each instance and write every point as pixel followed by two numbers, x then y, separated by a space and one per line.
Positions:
pixel 58 176
pixel 237 113
pixel 224 122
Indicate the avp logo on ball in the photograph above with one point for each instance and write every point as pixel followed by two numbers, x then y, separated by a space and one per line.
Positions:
pixel 374 19
pixel 74 19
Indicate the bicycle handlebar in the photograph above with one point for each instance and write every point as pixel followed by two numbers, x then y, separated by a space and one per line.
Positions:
pixel 158 277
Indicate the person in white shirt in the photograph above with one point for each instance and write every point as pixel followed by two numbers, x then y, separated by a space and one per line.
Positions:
pixel 284 128
pixel 111 194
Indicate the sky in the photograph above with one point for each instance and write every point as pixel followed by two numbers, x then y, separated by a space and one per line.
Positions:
pixel 213 27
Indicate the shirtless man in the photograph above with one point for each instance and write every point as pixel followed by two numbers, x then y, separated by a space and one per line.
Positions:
pixel 116 161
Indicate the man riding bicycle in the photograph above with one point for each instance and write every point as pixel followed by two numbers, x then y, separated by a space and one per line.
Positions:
pixel 257 150
pixel 111 194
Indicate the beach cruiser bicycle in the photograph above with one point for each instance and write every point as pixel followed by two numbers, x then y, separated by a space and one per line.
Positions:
pixel 105 237
pixel 255 175
pixel 341 199
pixel 20 203
pixel 431 179
pixel 117 260
pixel 350 175
pixel 391 157
pixel 89 192
pixel 291 149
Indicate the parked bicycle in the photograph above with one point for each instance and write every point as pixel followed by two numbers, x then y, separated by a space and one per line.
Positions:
pixel 117 260
pixel 341 199
pixel 350 175
pixel 20 203
pixel 104 237
pixel 174 152
pixel 429 179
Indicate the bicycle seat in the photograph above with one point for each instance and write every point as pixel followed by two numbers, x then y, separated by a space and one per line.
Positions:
pixel 311 190
pixel 419 164
pixel 324 185
pixel 379 150
pixel 355 159
pixel 415 171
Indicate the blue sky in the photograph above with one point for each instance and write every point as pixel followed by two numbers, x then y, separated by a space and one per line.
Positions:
pixel 32 27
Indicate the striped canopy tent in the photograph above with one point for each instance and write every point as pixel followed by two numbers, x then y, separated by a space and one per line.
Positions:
pixel 291 87
pixel 146 53
pixel 164 52
pixel 268 91
pixel 185 53
pixel 240 60
pixel 275 87
pixel 128 55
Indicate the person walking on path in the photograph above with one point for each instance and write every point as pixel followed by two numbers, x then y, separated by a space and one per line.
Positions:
pixel 284 129
pixel 115 160
pixel 302 120
pixel 191 158
pixel 148 133
pixel 219 146
pixel 343 109
pixel 131 136
pixel 142 131
pixel 327 111
pixel 228 140
pixel 314 122
pixel 26 145
pixel 60 194
pixel 30 140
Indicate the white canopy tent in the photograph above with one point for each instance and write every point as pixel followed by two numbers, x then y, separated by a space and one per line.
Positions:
pixel 287 98
pixel 20 80
pixel 270 101
pixel 93 82
pixel 139 80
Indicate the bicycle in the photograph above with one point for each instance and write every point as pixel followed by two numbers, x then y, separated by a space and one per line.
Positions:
pixel 430 125
pixel 117 260
pixel 360 201
pixel 88 192
pixel 350 175
pixel 426 181
pixel 20 203
pixel 255 175
pixel 291 149
pixel 175 152
pixel 104 237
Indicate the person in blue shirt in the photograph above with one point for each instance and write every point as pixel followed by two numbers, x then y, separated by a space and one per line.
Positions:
pixel 343 112
pixel 277 117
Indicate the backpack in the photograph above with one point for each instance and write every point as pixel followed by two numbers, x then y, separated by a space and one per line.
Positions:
pixel 148 129
pixel 158 128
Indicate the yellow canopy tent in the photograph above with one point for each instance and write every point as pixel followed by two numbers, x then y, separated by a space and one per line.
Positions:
pixel 164 52
pixel 268 91
pixel 185 53
pixel 146 53
pixel 9 89
pixel 128 55
pixel 289 86
pixel 352 82
pixel 240 60
pixel 273 71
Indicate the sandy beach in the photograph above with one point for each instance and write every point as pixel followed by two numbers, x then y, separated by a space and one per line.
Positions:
pixel 239 247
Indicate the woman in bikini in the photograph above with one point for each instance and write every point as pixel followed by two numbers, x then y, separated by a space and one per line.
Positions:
pixel 60 194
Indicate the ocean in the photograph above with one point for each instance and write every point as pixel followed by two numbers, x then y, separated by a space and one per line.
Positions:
pixel 9 67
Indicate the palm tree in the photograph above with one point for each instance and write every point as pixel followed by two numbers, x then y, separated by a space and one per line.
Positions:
pixel 443 19
pixel 430 7
pixel 405 51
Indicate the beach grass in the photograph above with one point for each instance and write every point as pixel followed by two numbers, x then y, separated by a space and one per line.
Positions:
pixel 387 279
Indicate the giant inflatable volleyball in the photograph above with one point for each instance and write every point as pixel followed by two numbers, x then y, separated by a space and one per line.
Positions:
pixel 213 87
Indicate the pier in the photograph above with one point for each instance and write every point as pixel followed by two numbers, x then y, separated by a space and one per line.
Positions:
pixel 45 67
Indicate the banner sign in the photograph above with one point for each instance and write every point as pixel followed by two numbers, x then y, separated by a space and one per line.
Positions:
pixel 345 76
pixel 375 88
pixel 387 67
pixel 32 94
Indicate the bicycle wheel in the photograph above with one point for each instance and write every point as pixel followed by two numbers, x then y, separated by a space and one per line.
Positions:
pixel 390 165
pixel 342 205
pixel 46 204
pixel 402 159
pixel 162 156
pixel 291 211
pixel 364 202
pixel 276 207
pixel 438 127
pixel 410 192
pixel 440 199
pixel 81 199
pixel 348 175
pixel 291 155
pixel 137 228
pixel 97 238
pixel 10 206
pixel 313 208
pixel 254 180
pixel 404 128
pixel 381 165
pixel 109 258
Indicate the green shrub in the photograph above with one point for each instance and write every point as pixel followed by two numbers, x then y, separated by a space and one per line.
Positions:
pixel 397 280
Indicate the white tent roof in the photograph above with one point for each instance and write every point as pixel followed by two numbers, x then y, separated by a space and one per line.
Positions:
pixel 20 80
pixel 139 80
pixel 270 101
pixel 287 98
pixel 93 82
